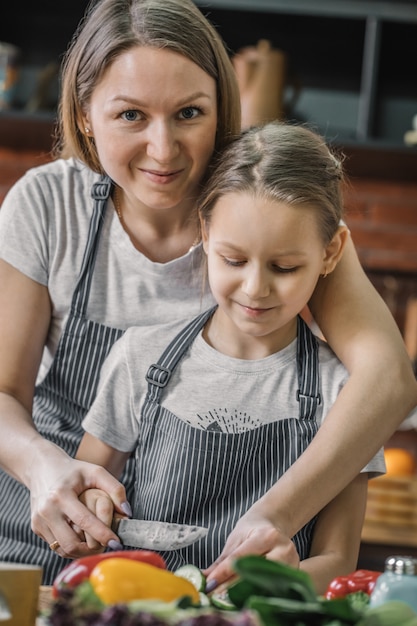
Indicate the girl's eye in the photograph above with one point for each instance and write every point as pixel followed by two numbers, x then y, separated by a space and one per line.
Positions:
pixel 189 113
pixel 284 270
pixel 131 115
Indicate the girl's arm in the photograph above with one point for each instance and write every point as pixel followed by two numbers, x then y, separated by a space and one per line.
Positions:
pixel 337 535
pixel 95 451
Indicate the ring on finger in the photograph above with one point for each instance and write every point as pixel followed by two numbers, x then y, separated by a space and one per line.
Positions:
pixel 54 545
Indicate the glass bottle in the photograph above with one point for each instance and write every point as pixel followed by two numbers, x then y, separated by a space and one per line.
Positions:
pixel 397 582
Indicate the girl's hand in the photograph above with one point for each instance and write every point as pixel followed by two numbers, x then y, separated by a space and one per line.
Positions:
pixel 253 534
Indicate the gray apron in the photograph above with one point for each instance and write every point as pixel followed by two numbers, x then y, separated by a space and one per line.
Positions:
pixel 60 403
pixel 210 478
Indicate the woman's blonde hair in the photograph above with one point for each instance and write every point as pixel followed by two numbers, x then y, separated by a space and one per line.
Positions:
pixel 111 27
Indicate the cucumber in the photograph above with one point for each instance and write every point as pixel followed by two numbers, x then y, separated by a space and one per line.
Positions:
pixel 221 600
pixel 194 575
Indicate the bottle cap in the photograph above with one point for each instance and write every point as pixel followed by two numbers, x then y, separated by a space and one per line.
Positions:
pixel 401 565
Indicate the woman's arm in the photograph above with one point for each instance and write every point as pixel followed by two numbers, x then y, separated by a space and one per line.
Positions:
pixel 337 535
pixel 54 479
pixel 379 394
pixel 382 388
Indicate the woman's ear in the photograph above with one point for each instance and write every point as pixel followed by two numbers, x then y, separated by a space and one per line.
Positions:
pixel 335 249
pixel 84 126
pixel 204 234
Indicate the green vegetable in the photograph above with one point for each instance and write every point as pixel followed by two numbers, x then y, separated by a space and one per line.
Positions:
pixel 221 600
pixel 193 574
pixel 358 599
pixel 391 613
pixel 284 611
pixel 262 577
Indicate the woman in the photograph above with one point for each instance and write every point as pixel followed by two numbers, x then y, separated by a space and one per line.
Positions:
pixel 148 94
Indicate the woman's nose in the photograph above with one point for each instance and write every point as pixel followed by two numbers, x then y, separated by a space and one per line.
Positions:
pixel 162 142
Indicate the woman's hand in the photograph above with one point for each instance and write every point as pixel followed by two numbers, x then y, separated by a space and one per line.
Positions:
pixel 253 534
pixel 59 514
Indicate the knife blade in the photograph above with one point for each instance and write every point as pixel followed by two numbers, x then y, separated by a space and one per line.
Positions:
pixel 156 535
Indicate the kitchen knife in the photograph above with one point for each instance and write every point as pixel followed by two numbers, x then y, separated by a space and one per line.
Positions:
pixel 155 535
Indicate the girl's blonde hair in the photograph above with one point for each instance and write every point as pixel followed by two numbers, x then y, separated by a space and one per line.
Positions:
pixel 283 162
pixel 111 27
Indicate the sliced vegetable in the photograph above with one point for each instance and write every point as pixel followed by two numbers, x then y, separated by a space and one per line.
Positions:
pixel 360 580
pixel 193 574
pixel 120 580
pixel 222 601
pixel 80 569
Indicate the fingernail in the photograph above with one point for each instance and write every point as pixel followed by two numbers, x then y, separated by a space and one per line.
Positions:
pixel 114 545
pixel 210 585
pixel 126 508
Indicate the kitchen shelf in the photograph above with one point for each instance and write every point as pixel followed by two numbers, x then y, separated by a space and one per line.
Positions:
pixel 354 60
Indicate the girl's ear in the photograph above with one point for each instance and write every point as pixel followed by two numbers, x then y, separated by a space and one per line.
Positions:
pixel 335 249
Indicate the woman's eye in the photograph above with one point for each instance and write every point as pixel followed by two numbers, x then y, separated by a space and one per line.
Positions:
pixel 189 113
pixel 233 262
pixel 131 115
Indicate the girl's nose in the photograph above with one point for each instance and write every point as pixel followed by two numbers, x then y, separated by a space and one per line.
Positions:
pixel 162 142
pixel 256 284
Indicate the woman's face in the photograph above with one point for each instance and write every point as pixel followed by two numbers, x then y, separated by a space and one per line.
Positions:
pixel 153 117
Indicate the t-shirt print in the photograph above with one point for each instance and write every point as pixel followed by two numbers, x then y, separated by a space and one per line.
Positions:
pixel 225 421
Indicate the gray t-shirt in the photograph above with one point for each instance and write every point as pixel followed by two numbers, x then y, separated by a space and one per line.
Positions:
pixel 207 389
pixel 44 223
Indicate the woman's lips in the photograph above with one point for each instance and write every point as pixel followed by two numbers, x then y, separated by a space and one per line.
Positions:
pixel 161 178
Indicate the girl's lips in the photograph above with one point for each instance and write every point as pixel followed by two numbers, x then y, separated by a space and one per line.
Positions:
pixel 255 311
pixel 161 178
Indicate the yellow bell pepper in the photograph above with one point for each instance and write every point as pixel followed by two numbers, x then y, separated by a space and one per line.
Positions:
pixel 122 580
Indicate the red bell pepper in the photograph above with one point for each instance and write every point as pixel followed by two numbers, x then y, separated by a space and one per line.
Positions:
pixel 79 569
pixel 360 580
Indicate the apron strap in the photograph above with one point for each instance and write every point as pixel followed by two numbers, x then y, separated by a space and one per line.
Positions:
pixel 308 394
pixel 159 373
pixel 100 193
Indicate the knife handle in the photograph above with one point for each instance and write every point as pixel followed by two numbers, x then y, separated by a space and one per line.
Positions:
pixel 116 521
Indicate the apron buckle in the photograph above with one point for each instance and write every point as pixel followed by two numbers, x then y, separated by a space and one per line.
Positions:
pixel 158 375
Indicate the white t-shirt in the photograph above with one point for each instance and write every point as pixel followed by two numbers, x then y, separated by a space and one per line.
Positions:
pixel 44 223
pixel 207 389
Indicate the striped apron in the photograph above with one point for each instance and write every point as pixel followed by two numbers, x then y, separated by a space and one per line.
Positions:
pixel 60 403
pixel 210 478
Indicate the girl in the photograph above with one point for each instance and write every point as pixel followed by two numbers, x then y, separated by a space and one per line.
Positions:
pixel 236 395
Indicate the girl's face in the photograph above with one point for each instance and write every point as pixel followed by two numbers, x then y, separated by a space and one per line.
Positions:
pixel 153 117
pixel 264 260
